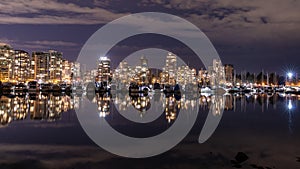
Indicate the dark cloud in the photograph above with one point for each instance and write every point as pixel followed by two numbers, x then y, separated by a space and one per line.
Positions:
pixel 24 164
pixel 55 12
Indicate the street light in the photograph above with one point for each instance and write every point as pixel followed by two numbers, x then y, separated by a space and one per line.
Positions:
pixel 290 75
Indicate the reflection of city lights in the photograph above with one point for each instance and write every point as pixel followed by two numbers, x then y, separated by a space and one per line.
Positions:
pixel 290 106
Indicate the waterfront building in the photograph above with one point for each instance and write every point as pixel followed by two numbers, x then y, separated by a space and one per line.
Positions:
pixel 66 71
pixel 170 68
pixel 20 66
pixel 185 75
pixel 89 76
pixel 41 67
pixel 217 74
pixel 122 75
pixel 6 58
pixel 76 72
pixel 229 73
pixel 203 77
pixel 164 77
pixel 31 71
pixel 55 66
pixel 144 72
pixel 48 66
pixel 104 72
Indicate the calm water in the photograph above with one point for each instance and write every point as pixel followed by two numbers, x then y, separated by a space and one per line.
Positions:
pixel 42 131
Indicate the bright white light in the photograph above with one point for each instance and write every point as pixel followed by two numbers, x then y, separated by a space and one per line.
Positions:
pixel 290 74
pixel 290 106
pixel 103 58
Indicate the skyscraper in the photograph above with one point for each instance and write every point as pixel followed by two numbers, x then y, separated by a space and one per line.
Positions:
pixel 55 66
pixel 48 66
pixel 76 72
pixel 170 68
pixel 20 66
pixel 144 72
pixel 217 73
pixel 229 73
pixel 41 68
pixel 66 71
pixel 6 57
pixel 185 75
pixel 104 74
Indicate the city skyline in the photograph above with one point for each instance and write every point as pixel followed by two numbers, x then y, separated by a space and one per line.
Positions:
pixel 50 66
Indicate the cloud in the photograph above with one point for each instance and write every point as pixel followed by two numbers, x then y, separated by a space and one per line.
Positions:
pixel 53 43
pixel 5 41
pixel 251 20
pixel 38 44
pixel 51 12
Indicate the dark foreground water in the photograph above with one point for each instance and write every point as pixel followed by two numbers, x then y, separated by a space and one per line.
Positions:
pixel 256 131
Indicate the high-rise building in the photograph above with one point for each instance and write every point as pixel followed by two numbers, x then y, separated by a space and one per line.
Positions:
pixel 203 77
pixel 6 58
pixel 41 67
pixel 55 66
pixel 185 75
pixel 217 73
pixel 171 66
pixel 123 75
pixel 66 71
pixel 76 72
pixel 229 73
pixel 48 66
pixel 31 71
pixel 144 72
pixel 20 66
pixel 104 73
pixel 89 76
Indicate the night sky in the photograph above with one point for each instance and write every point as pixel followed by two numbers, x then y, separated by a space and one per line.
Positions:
pixel 251 35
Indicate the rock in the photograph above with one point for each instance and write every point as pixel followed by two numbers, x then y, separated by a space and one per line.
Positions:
pixel 253 165
pixel 241 157
pixel 233 162
pixel 237 166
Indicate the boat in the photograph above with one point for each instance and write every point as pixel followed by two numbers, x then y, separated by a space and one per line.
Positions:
pixel 7 87
pixel 19 88
pixel 206 90
pixel 63 86
pixel 168 89
pixel 135 89
pixel 46 87
pixel 32 86
pixel 234 90
pixel 56 88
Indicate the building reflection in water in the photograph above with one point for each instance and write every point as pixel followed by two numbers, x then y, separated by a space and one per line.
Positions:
pixel 49 107
pixel 103 104
pixel 217 104
pixel 37 106
pixel 141 103
pixel 171 108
